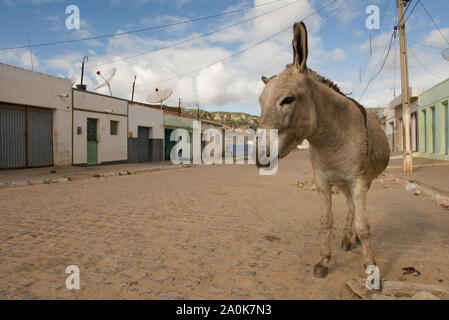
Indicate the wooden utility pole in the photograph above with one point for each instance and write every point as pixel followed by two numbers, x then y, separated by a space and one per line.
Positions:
pixel 408 166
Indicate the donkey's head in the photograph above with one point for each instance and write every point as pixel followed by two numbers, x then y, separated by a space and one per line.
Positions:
pixel 286 103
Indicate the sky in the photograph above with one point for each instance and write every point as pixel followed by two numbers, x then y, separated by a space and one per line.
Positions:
pixel 221 70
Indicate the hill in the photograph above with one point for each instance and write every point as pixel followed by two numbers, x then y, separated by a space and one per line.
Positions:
pixel 232 119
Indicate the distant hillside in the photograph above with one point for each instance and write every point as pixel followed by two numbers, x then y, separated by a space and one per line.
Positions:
pixel 232 119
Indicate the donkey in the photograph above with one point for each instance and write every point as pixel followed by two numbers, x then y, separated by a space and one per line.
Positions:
pixel 348 147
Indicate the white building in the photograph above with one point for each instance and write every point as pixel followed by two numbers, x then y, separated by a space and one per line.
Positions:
pixel 35 114
pixel 100 127
pixel 394 127
pixel 145 133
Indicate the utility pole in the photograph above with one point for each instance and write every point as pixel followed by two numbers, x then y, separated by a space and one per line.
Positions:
pixel 408 166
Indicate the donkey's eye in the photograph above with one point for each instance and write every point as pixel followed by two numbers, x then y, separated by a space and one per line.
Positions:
pixel 287 100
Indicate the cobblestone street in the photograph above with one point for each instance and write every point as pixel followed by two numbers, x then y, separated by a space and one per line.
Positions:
pixel 209 232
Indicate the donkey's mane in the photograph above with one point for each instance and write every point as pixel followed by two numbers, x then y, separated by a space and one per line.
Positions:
pixel 325 81
pixel 333 86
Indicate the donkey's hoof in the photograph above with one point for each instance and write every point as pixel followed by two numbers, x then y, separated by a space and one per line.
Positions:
pixel 346 246
pixel 319 271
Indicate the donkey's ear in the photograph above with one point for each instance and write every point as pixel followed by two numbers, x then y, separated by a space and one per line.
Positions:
pixel 266 80
pixel 300 49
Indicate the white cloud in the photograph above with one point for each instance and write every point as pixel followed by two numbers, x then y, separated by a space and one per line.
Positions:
pixel 22 58
pixel 338 54
pixel 436 39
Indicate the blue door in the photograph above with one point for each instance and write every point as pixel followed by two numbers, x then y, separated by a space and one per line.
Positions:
pixel 433 130
pixel 425 130
pixel 446 130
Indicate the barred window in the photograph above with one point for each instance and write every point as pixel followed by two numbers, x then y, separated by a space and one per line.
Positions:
pixel 114 128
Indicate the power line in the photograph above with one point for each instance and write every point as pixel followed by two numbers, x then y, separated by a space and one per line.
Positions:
pixel 382 63
pixel 422 65
pixel 193 38
pixel 273 58
pixel 325 19
pixel 234 54
pixel 142 30
pixel 383 15
pixel 424 45
pixel 438 4
pixel 393 36
pixel 411 12
pixel 438 28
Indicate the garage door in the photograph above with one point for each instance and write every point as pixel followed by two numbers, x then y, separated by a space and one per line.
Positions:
pixel 26 137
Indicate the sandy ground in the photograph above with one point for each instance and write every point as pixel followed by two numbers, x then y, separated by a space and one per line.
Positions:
pixel 210 232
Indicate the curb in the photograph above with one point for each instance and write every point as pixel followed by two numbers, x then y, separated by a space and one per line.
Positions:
pixel 439 196
pixel 101 175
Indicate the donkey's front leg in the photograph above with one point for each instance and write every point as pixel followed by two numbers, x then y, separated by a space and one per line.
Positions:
pixel 327 220
pixel 361 224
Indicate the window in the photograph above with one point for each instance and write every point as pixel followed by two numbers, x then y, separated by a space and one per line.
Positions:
pixel 114 128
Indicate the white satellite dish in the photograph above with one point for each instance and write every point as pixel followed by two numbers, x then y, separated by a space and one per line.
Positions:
pixel 107 78
pixel 445 54
pixel 159 96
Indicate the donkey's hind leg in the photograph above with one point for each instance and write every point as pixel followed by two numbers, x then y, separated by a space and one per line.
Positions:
pixel 361 224
pixel 327 219
pixel 346 242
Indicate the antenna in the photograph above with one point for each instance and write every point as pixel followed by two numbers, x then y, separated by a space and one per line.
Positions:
pixel 81 86
pixel 107 78
pixel 134 87
pixel 445 54
pixel 159 96
pixel 31 56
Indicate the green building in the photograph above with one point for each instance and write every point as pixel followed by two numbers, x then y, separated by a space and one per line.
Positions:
pixel 434 121
pixel 172 121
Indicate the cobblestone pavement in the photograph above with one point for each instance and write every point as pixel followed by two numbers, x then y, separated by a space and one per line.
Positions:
pixel 210 232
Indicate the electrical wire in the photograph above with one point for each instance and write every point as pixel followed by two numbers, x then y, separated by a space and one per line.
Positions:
pixel 422 65
pixel 434 23
pixel 141 30
pixel 438 4
pixel 382 64
pixel 234 54
pixel 191 39
pixel 424 45
pixel 273 58
pixel 383 15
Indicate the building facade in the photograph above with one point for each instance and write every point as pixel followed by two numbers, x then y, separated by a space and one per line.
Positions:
pixel 394 124
pixel 35 117
pixel 434 121
pixel 145 133
pixel 172 121
pixel 100 127
pixel 45 122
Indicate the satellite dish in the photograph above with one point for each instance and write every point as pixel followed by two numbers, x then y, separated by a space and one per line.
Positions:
pixel 159 96
pixel 445 54
pixel 107 78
